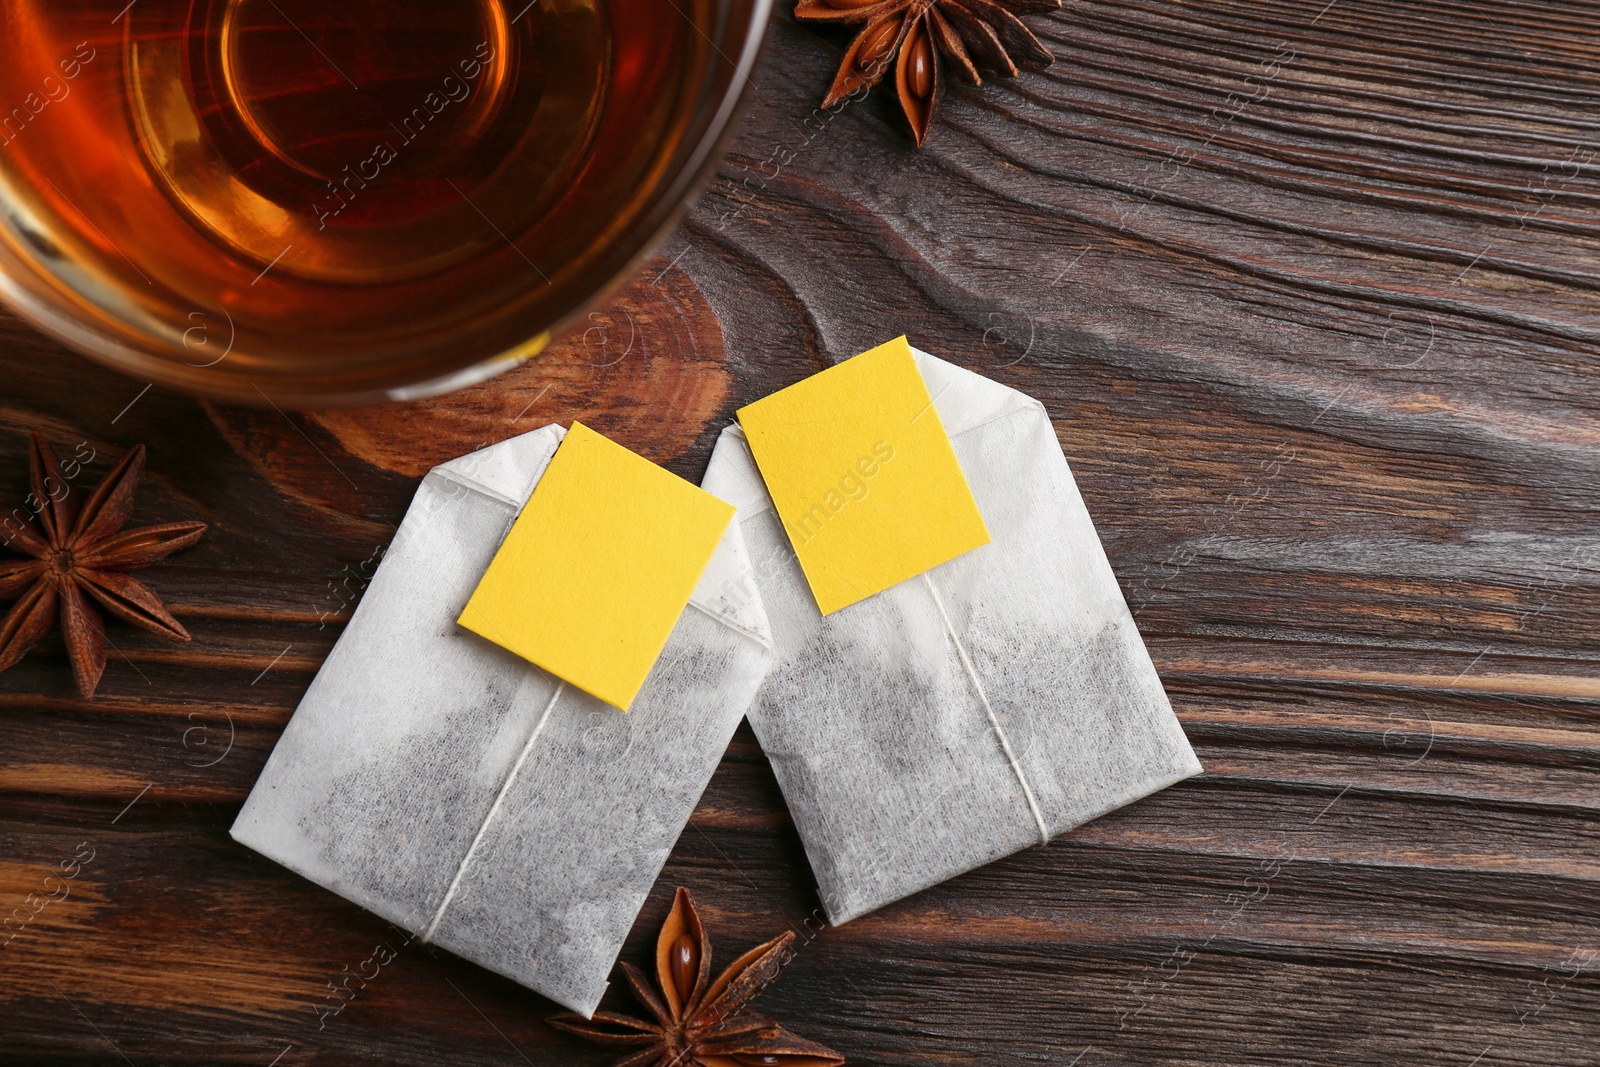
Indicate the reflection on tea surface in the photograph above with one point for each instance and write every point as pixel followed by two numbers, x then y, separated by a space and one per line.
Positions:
pixel 344 188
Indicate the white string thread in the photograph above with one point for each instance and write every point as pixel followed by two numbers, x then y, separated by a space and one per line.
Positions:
pixel 994 721
pixel 505 790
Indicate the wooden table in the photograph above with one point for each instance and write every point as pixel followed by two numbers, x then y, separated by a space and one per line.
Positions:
pixel 1309 290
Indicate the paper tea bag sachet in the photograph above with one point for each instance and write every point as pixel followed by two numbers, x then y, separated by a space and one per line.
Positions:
pixel 956 675
pixel 460 765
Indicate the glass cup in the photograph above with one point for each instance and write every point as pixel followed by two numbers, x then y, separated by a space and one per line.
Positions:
pixel 315 203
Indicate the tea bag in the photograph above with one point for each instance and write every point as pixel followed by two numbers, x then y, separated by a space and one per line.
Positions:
pixel 455 789
pixel 982 706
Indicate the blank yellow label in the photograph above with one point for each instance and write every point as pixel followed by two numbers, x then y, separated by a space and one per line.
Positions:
pixel 863 476
pixel 593 575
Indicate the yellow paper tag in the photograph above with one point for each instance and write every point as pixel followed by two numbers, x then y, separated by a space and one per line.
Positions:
pixel 593 575
pixel 863 476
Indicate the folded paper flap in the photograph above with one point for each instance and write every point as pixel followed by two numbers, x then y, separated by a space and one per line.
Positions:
pixel 964 400
pixel 732 473
pixel 507 471
pixel 727 590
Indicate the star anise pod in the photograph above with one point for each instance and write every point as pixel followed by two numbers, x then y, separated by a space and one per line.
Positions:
pixel 78 557
pixel 968 35
pixel 700 1022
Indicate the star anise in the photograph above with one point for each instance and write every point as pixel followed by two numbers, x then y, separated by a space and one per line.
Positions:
pixel 699 1022
pixel 970 35
pixel 79 557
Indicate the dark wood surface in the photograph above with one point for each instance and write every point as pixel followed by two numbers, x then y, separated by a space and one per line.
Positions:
pixel 1310 292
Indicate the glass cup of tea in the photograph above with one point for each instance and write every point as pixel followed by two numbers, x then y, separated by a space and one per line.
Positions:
pixel 315 202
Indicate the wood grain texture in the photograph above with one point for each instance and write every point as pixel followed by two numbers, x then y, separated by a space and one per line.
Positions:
pixel 1310 291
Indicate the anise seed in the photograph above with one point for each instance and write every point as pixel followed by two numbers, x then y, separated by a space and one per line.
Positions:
pixel 685 968
pixel 922 67
pixel 874 47
pixel 765 1059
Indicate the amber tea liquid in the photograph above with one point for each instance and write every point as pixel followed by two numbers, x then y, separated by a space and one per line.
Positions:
pixel 304 181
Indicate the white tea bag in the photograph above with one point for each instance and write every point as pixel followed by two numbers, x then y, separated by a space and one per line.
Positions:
pixel 968 712
pixel 453 788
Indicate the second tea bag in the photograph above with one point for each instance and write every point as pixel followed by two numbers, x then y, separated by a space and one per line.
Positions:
pixel 956 675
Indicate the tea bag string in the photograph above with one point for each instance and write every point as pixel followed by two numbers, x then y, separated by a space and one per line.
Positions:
pixel 994 720
pixel 505 791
